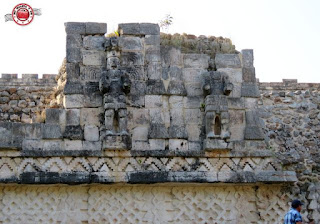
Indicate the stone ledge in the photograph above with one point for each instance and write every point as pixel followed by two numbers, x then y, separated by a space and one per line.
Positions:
pixel 169 153
pixel 151 177
pixel 65 153
pixel 75 170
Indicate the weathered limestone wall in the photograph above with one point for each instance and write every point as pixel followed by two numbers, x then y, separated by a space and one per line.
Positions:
pixel 24 99
pixel 291 112
pixel 142 204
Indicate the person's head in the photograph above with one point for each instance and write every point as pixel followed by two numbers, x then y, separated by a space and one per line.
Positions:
pixel 296 204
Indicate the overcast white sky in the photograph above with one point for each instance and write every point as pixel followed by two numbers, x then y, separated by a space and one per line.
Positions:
pixel 285 34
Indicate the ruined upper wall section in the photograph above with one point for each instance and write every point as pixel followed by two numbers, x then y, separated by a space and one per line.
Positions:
pixel 287 85
pixel 24 99
pixel 192 44
pixel 27 80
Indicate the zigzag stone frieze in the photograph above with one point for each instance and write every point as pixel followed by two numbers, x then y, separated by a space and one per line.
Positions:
pixel 134 169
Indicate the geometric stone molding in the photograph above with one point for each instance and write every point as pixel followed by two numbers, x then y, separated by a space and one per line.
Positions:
pixel 141 170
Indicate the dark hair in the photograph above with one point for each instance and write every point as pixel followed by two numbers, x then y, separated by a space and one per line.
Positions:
pixel 296 203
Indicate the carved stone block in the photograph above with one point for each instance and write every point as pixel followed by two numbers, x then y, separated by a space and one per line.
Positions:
pixel 227 61
pixel 178 132
pixel 73 117
pixel 157 144
pixel 216 103
pixel 116 143
pixel 199 61
pixel 193 89
pixel 92 57
pixel 178 144
pixel 194 132
pixel 153 70
pixel 73 145
pixel 234 74
pixel 155 87
pixel 215 144
pixel 140 134
pixel 53 145
pixel 248 74
pixel 74 41
pixel 171 56
pixel 237 124
pixel 73 88
pixel 192 75
pixel 55 116
pixel 153 101
pixel 91 133
pixel 94 42
pixel 74 55
pixel 90 73
pixel 92 146
pixel 92 95
pixel 136 73
pixel 75 28
pixel 130 44
pixel 73 132
pixel 253 130
pixel 250 90
pixel 91 116
pixel 158 131
pixel 139 29
pixel 149 29
pixel 96 28
pixel 73 101
pixel 73 72
pixel 247 58
pixel 152 54
pixel 140 145
pixel 176 88
pixel 51 131
pixel 132 59
pixel 152 40
pixel 129 28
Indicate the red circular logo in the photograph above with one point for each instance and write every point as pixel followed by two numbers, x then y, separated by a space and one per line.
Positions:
pixel 22 14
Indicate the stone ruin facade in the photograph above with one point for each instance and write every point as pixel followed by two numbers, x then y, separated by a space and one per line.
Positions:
pixel 152 128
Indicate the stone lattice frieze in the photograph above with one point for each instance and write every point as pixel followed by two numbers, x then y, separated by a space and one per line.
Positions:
pixel 142 204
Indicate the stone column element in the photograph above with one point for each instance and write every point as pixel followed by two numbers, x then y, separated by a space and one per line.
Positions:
pixel 249 85
pixel 114 85
pixel 216 87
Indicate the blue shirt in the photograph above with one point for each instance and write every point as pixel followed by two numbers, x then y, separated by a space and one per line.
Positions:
pixel 292 217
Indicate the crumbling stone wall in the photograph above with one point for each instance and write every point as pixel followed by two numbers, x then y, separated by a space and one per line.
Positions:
pixel 192 44
pixel 291 112
pixel 24 99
